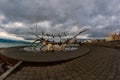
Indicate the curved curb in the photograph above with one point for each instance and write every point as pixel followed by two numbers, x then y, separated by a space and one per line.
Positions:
pixel 4 75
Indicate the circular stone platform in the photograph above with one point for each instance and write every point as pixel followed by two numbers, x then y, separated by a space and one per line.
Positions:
pixel 101 63
pixel 19 54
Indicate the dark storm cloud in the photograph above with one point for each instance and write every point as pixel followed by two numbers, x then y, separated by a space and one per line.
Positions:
pixel 28 9
pixel 101 16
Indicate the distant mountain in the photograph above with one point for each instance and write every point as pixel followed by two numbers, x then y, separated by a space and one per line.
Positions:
pixel 19 41
pixel 82 40
pixel 12 41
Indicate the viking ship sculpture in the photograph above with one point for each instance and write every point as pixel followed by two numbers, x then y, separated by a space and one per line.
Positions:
pixel 46 41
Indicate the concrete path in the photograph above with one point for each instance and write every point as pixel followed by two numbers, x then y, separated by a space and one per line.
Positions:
pixel 100 64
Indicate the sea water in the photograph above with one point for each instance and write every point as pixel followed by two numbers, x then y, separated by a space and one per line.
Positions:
pixel 4 45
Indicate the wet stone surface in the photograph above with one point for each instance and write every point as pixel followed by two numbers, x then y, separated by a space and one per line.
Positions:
pixel 18 54
pixel 99 64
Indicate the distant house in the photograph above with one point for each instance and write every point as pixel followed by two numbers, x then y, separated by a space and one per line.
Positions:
pixel 113 37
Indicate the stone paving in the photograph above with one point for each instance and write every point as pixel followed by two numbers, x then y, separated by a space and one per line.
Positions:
pixel 99 64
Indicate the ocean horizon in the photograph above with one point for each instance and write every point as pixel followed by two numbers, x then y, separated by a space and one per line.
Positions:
pixel 4 43
pixel 8 44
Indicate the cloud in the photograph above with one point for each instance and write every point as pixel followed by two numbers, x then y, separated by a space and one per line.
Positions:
pixel 101 16
pixel 10 36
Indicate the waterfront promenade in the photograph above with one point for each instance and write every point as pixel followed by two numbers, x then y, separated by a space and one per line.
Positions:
pixel 101 63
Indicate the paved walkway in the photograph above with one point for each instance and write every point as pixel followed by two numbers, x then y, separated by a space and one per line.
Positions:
pixel 100 64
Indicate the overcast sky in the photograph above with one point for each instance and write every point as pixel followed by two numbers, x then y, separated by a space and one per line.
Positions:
pixel 17 16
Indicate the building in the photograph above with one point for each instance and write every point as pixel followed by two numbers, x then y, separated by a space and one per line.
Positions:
pixel 113 36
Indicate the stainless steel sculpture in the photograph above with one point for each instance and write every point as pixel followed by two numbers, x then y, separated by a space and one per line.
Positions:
pixel 46 41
